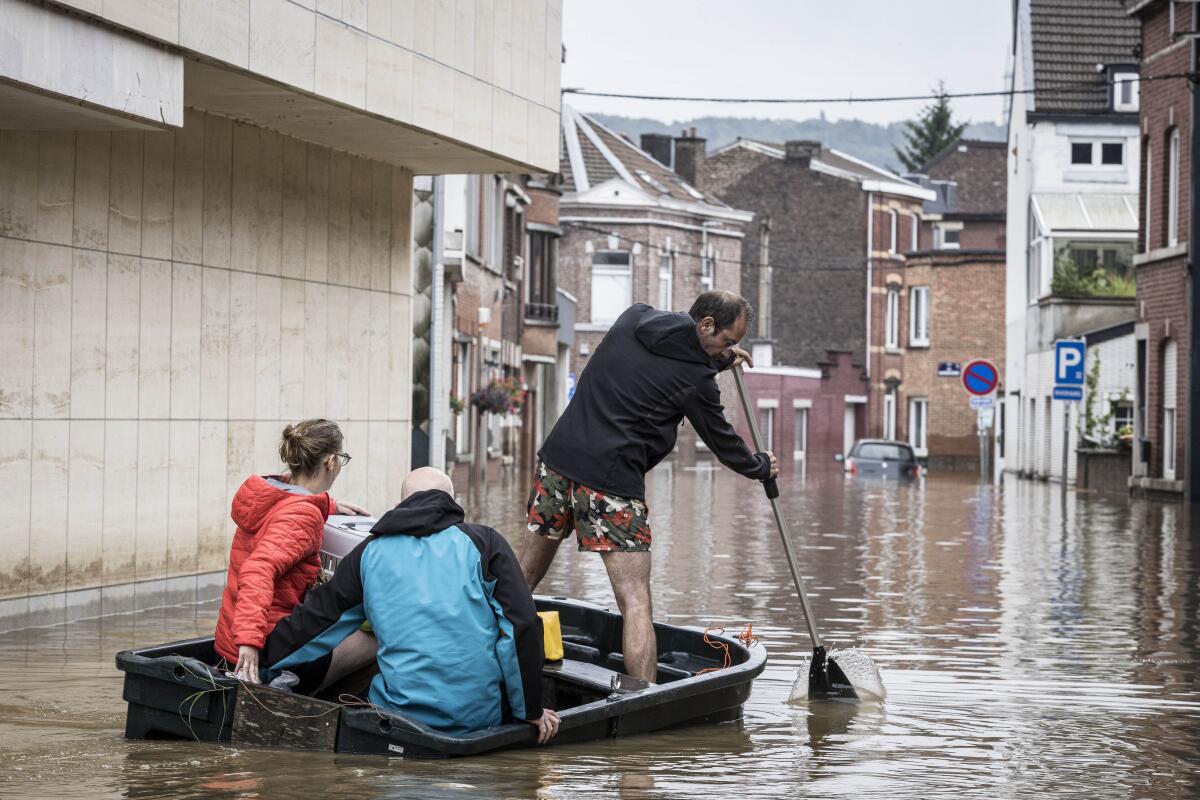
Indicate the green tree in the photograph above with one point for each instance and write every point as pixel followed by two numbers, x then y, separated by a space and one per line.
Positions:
pixel 931 133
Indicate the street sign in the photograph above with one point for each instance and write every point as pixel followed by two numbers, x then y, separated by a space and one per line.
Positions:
pixel 980 377
pixel 1068 362
pixel 986 402
pixel 1068 392
pixel 949 369
pixel 570 385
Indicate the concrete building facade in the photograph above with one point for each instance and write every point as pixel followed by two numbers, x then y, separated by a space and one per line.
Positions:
pixel 1073 167
pixel 190 262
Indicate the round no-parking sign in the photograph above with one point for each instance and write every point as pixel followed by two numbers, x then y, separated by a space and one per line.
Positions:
pixel 980 377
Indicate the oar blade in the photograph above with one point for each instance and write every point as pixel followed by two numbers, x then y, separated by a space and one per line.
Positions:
pixel 826 680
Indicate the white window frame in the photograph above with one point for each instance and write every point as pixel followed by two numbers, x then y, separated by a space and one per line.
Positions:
pixel 1148 168
pixel 708 270
pixel 1122 80
pixel 1173 189
pixel 891 319
pixel 766 421
pixel 611 270
pixel 889 415
pixel 666 279
pixel 800 429
pixel 916 225
pixel 1169 408
pixel 895 242
pixel 939 235
pixel 918 425
pixel 918 316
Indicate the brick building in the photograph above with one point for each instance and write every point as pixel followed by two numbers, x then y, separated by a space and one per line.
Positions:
pixel 948 304
pixel 835 226
pixel 1163 291
pixel 635 232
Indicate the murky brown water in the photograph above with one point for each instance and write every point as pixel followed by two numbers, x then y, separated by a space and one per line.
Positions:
pixel 1025 654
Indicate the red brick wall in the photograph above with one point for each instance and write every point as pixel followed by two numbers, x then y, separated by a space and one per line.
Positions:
pixel 964 323
pixel 1162 285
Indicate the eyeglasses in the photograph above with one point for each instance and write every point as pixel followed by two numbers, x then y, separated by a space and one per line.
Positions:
pixel 344 457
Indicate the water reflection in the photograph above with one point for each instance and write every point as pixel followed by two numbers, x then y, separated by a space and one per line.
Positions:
pixel 1028 646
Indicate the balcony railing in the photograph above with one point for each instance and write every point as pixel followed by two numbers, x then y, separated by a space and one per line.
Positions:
pixel 541 312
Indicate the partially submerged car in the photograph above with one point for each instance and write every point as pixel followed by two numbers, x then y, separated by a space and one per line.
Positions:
pixel 881 458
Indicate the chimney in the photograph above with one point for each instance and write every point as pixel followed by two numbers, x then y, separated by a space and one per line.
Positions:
pixel 659 146
pixel 690 158
pixel 801 151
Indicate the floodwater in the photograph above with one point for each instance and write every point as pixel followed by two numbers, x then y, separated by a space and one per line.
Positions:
pixel 1028 649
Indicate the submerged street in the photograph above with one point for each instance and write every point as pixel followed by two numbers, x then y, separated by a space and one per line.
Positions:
pixel 1023 650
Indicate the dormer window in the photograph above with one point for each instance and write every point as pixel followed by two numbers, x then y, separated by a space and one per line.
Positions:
pixel 1124 90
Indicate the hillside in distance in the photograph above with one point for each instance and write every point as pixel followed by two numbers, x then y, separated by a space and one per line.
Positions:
pixel 869 141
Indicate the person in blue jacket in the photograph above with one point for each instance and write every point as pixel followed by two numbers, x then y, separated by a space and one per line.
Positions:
pixel 451 611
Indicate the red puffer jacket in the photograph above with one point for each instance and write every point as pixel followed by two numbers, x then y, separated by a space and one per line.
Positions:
pixel 274 560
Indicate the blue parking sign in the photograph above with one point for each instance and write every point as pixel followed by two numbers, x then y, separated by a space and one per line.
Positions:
pixel 1068 362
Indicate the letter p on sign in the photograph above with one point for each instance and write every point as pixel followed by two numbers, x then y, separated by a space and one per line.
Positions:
pixel 1068 363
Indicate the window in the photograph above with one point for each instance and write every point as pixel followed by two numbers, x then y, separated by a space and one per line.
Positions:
pixel 707 270
pixel 1125 90
pixel 889 415
pixel 891 326
pixel 918 424
pixel 947 236
pixel 766 424
pixel 1148 171
pixel 540 291
pixel 1170 369
pixel 612 284
pixel 1090 153
pixel 1122 416
pixel 800 435
pixel 1173 189
pixel 666 272
pixel 914 236
pixel 895 243
pixel 918 316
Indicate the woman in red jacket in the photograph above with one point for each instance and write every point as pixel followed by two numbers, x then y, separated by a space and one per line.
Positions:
pixel 275 556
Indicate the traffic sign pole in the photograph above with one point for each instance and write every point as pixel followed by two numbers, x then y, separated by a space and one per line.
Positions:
pixel 980 378
pixel 1069 358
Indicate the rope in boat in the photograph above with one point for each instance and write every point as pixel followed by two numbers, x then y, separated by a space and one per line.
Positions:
pixel 746 637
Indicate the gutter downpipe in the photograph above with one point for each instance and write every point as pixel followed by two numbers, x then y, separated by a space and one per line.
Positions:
pixel 1192 443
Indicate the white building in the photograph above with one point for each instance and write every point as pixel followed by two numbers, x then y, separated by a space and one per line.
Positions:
pixel 205 233
pixel 1072 210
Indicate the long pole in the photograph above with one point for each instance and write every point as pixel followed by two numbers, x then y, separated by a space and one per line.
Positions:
pixel 780 522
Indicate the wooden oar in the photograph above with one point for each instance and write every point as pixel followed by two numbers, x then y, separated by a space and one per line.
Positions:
pixel 826 680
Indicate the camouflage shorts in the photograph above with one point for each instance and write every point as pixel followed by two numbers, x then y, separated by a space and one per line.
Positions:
pixel 603 522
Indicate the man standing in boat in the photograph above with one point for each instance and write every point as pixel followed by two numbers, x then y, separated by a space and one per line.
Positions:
pixel 652 369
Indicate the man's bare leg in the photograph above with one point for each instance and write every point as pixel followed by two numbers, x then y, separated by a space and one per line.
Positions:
pixel 537 554
pixel 630 576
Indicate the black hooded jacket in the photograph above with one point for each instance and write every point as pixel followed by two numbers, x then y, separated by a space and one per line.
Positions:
pixel 647 374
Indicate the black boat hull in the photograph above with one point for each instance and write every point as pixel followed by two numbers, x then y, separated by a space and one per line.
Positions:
pixel 173 693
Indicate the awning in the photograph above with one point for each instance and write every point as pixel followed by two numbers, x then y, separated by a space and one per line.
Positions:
pixel 1115 213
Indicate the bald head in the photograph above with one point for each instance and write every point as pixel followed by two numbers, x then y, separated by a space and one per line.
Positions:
pixel 426 479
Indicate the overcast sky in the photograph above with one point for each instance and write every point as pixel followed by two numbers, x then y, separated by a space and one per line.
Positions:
pixel 782 48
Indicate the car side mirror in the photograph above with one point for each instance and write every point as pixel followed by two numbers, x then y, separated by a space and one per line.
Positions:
pixel 839 457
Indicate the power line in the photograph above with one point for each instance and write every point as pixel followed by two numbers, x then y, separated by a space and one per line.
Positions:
pixel 1079 87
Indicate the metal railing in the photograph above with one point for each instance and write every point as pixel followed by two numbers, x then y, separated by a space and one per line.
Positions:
pixel 541 312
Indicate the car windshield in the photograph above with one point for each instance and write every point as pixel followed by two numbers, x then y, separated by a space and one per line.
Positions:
pixel 880 451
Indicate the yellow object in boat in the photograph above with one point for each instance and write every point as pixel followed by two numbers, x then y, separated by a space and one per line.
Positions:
pixel 551 635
